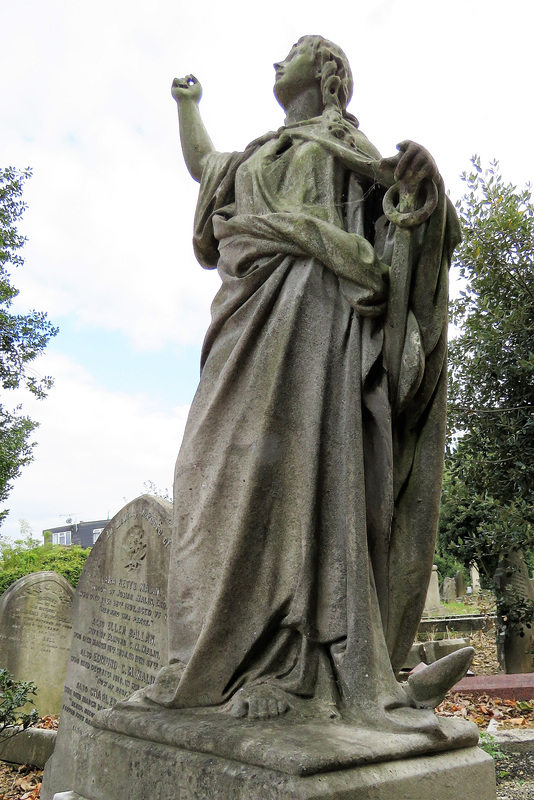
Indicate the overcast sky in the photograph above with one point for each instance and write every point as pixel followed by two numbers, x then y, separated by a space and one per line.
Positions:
pixel 85 99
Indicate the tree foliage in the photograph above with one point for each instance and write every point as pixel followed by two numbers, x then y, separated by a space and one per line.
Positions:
pixel 23 557
pixel 488 497
pixel 23 337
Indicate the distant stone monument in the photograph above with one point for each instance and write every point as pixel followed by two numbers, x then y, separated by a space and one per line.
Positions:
pixel 119 627
pixel 461 586
pixel 516 646
pixel 35 634
pixel 475 579
pixel 433 606
pixel 307 486
pixel 448 590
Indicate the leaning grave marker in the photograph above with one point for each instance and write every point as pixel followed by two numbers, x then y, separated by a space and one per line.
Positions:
pixel 119 626
pixel 35 634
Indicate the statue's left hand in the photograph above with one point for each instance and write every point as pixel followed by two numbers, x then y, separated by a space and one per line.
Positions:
pixel 414 164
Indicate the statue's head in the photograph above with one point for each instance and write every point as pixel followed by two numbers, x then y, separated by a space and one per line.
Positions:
pixel 314 60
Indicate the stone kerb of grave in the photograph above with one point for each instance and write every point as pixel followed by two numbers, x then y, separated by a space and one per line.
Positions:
pixel 119 627
pixel 35 634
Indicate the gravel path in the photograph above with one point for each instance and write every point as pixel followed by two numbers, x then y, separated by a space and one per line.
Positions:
pixel 515 776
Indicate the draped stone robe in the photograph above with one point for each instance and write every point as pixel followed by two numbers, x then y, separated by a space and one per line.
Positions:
pixel 305 504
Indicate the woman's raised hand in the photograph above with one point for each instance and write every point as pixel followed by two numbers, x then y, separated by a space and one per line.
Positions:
pixel 186 88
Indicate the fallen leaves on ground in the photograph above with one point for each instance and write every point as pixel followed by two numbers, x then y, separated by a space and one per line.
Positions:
pixel 24 782
pixel 50 723
pixel 485 660
pixel 19 783
pixel 507 713
pixel 484 709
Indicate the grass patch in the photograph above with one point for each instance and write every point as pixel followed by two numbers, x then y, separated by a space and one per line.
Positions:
pixel 461 608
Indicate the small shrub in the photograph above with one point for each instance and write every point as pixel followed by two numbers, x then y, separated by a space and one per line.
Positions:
pixel 489 744
pixel 13 697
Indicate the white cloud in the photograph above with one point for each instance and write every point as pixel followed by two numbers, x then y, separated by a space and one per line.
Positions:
pixel 95 450
pixel 111 205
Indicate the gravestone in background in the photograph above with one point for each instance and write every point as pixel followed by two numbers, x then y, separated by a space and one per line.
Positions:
pixel 433 606
pixel 448 590
pixel 516 649
pixel 475 579
pixel 35 634
pixel 119 627
pixel 461 587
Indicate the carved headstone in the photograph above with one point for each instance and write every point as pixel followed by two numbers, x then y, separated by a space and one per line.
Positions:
pixel 35 634
pixel 119 626
pixel 475 579
pixel 433 607
pixel 448 590
pixel 516 647
pixel 461 587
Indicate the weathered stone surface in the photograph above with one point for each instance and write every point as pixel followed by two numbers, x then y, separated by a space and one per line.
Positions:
pixel 117 767
pixel 307 485
pixel 464 623
pixel 442 647
pixel 35 634
pixel 518 686
pixel 296 746
pixel 448 590
pixel 433 606
pixel 415 656
pixel 516 651
pixel 119 626
pixel 33 746
pixel 461 588
pixel 475 579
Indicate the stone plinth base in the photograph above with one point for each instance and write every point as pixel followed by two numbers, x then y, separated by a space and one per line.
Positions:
pixel 118 767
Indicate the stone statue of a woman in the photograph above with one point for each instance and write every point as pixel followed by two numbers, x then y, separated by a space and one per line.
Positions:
pixel 307 486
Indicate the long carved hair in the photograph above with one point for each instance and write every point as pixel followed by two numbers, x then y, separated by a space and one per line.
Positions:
pixel 337 84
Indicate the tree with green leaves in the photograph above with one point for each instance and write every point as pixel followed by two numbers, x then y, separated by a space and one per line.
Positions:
pixel 25 556
pixel 23 337
pixel 488 498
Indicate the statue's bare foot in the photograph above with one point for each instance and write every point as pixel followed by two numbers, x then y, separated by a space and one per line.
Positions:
pixel 162 692
pixel 263 701
pixel 427 688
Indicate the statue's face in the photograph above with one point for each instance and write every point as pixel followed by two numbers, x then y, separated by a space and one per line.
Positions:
pixel 296 73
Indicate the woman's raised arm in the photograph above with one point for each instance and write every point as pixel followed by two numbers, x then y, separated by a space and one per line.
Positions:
pixel 196 144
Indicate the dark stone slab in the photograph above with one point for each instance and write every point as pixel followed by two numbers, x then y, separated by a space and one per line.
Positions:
pixel 509 687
